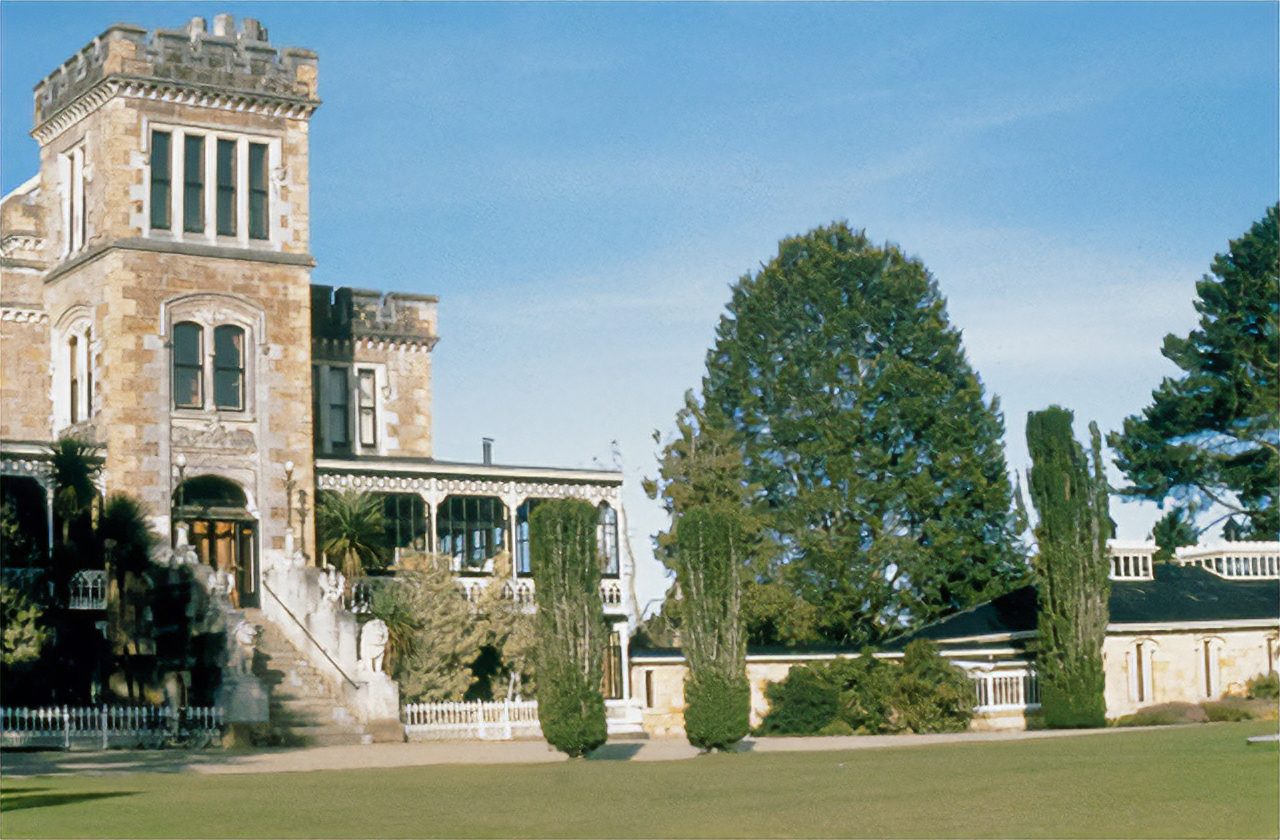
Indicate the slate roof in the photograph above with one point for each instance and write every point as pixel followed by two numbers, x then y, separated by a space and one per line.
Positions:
pixel 1177 593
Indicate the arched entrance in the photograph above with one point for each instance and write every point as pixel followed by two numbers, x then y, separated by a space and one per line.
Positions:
pixel 222 531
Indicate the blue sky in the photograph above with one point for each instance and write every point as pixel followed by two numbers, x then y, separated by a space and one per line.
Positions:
pixel 581 183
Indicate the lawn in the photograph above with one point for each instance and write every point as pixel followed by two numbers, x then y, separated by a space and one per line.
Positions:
pixel 1195 781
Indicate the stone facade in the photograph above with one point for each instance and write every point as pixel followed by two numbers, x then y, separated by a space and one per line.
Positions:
pixel 1174 661
pixel 156 298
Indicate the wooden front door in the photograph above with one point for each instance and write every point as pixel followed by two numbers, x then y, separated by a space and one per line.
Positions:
pixel 230 545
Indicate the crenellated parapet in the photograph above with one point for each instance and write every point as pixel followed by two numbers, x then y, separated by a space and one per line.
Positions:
pixel 228 67
pixel 362 315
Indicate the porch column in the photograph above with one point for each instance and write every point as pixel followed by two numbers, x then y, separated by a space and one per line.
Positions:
pixel 512 502
pixel 624 643
pixel 47 484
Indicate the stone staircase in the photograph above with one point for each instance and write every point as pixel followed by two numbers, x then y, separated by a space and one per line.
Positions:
pixel 304 711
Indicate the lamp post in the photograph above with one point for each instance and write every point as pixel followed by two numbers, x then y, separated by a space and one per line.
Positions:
pixel 302 518
pixel 288 493
pixel 181 463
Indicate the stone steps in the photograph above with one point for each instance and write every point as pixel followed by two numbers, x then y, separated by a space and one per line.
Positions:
pixel 303 709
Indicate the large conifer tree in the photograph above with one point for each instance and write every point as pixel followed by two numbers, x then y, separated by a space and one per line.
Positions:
pixel 1070 498
pixel 1211 437
pixel 880 463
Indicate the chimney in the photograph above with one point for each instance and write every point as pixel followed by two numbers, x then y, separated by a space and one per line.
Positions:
pixel 195 27
pixel 487 444
pixel 224 26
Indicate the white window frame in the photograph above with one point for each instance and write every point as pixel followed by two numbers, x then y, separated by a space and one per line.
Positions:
pixel 71 174
pixel 351 370
pixel 177 172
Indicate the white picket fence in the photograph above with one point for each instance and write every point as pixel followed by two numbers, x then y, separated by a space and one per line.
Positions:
pixel 102 726
pixel 486 721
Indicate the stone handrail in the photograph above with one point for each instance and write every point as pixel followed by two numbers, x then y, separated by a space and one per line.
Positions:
pixel 309 637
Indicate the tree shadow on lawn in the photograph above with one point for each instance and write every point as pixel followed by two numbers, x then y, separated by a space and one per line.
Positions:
pixel 17 763
pixel 615 752
pixel 23 798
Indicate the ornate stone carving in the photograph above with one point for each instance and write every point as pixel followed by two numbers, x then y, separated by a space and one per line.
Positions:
pixel 332 584
pixel 215 435
pixel 373 645
pixel 246 637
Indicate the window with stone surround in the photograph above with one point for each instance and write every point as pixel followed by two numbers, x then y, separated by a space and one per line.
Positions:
pixel 71 166
pixel 73 368
pixel 210 185
pixel 367 397
pixel 211 363
pixel 346 412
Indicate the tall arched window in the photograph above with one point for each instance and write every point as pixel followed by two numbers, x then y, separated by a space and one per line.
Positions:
pixel 1209 667
pixel 1138 661
pixel 73 365
pixel 228 367
pixel 188 365
pixel 523 564
pixel 607 539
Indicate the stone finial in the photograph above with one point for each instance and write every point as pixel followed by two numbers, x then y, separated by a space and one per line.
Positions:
pixel 195 27
pixel 224 26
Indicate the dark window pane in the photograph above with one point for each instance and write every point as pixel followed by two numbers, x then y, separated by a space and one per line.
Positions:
pixel 338 404
pixel 226 188
pixel 187 365
pixel 161 179
pixel 186 343
pixel 226 389
pixel 258 195
pixel 228 347
pixel 228 367
pixel 193 185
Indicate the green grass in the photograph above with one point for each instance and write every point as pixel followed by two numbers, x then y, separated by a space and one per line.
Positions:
pixel 1196 781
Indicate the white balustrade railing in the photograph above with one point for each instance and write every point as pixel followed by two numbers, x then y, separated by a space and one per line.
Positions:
pixel 500 720
pixel 521 591
pixel 1239 560
pixel 1005 690
pixel 88 590
pixel 62 726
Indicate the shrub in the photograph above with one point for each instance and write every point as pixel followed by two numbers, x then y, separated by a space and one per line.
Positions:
pixel 925 693
pixel 801 704
pixel 836 727
pixel 570 625
pixel 931 694
pixel 1227 710
pixel 24 630
pixel 866 687
pixel 1165 714
pixel 718 710
pixel 1265 687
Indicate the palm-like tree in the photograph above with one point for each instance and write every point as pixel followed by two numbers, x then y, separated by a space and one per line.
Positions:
pixel 76 467
pixel 351 528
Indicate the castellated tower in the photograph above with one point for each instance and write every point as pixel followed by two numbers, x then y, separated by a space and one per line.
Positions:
pixel 156 273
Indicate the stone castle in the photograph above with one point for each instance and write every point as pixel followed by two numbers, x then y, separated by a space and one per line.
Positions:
pixel 156 298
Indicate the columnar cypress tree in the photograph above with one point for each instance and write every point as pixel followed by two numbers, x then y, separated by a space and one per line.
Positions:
pixel 1071 567
pixel 571 627
pixel 708 560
